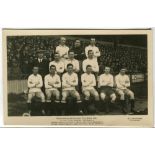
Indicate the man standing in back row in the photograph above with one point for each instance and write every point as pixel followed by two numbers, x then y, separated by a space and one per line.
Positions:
pixel 93 48
pixel 62 49
pixel 78 50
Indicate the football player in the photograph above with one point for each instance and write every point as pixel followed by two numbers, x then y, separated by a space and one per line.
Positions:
pixel 52 85
pixel 88 86
pixel 69 84
pixel 35 84
pixel 123 83
pixel 73 61
pixel 58 64
pixel 93 48
pixel 92 62
pixel 106 83
pixel 62 49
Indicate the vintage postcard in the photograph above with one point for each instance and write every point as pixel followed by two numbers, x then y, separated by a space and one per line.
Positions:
pixel 78 77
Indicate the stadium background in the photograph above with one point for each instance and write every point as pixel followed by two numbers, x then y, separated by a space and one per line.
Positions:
pixel 118 50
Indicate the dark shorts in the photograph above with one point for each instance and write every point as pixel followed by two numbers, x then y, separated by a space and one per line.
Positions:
pixel 106 90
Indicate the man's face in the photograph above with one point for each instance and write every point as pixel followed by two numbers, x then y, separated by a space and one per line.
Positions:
pixel 71 55
pixel 107 70
pixel 89 69
pixel 90 54
pixel 77 43
pixel 52 70
pixel 57 57
pixel 70 69
pixel 92 41
pixel 40 55
pixel 35 70
pixel 63 41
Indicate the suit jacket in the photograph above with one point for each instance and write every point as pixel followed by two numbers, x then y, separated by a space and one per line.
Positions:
pixel 43 67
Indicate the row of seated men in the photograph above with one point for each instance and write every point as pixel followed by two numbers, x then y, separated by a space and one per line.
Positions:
pixel 58 89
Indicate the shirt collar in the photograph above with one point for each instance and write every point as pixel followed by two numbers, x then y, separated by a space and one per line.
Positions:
pixel 51 75
pixel 62 45
pixel 35 75
pixel 70 74
pixel 71 59
pixel 88 74
pixel 92 46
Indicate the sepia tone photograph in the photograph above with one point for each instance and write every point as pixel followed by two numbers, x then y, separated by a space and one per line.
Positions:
pixel 78 77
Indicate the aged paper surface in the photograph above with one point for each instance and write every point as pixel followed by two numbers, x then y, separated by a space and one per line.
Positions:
pixel 95 120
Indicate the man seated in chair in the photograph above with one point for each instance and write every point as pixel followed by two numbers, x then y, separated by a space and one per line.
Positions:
pixel 88 83
pixel 58 63
pixel 123 83
pixel 92 62
pixel 35 84
pixel 106 83
pixel 73 61
pixel 52 84
pixel 69 83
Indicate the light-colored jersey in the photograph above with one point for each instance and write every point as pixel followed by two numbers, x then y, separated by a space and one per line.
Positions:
pixel 94 49
pixel 74 62
pixel 88 81
pixel 52 82
pixel 106 80
pixel 91 62
pixel 59 66
pixel 122 81
pixel 63 51
pixel 35 83
pixel 69 82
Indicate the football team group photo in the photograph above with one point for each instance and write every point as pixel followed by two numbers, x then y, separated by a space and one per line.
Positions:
pixel 65 75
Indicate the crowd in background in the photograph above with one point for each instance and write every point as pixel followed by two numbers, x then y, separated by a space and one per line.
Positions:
pixel 22 52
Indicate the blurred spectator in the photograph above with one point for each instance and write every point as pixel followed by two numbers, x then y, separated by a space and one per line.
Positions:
pixel 26 68
pixel 14 71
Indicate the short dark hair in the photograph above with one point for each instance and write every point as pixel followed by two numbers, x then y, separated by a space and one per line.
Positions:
pixel 40 51
pixel 52 66
pixel 90 51
pixel 69 65
pixel 88 66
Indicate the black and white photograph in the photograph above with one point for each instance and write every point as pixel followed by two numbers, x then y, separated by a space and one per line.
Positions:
pixel 78 77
